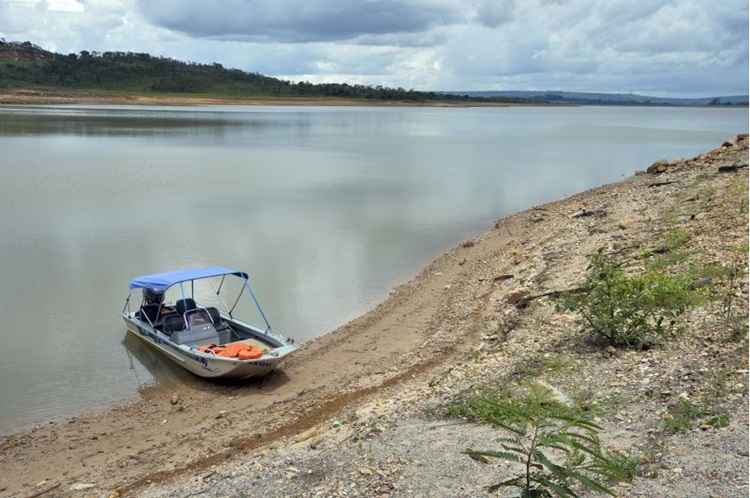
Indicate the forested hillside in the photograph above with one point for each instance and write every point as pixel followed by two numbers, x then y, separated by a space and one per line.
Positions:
pixel 24 65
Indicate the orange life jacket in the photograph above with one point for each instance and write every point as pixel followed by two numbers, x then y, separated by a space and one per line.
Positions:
pixel 234 350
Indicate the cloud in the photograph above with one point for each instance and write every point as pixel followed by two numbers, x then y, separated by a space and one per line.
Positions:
pixel 60 25
pixel 658 47
pixel 685 47
pixel 65 6
pixel 299 20
pixel 493 14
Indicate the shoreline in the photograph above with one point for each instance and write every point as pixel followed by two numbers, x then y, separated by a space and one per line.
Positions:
pixel 52 97
pixel 406 338
pixel 42 97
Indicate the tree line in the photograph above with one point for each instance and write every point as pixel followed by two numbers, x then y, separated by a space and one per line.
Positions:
pixel 142 72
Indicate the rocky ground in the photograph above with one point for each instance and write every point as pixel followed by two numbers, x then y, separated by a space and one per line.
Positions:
pixel 361 412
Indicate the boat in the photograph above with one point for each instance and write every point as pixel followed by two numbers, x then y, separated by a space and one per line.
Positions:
pixel 201 338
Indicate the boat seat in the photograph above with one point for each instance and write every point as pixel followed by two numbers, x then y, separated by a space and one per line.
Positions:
pixel 173 323
pixel 222 327
pixel 196 336
pixel 225 333
pixel 184 305
pixel 215 315
pixel 148 313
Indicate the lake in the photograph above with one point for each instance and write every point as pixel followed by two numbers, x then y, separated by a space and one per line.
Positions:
pixel 326 208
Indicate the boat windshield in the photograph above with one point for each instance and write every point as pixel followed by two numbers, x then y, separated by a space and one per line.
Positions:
pixel 229 295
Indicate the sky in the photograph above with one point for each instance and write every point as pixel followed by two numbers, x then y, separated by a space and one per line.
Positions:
pixel 680 48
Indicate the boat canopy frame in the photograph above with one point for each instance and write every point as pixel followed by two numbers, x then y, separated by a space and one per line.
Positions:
pixel 161 282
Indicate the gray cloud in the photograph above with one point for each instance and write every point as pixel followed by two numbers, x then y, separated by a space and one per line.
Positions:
pixel 298 20
pixel 685 47
pixel 658 47
pixel 493 13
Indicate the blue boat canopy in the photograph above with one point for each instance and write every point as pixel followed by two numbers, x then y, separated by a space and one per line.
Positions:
pixel 162 281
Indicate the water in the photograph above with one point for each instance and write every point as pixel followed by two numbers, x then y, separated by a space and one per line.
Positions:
pixel 327 208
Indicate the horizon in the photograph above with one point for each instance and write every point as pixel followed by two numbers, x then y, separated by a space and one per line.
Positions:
pixel 693 50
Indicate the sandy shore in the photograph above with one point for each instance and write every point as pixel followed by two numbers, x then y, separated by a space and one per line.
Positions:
pixel 477 311
pixel 56 97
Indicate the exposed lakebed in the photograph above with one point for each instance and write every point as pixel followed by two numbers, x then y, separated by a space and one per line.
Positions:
pixel 327 208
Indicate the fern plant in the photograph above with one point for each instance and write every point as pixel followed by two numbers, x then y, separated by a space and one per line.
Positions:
pixel 555 450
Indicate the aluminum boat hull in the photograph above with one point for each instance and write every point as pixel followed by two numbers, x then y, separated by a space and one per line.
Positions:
pixel 210 366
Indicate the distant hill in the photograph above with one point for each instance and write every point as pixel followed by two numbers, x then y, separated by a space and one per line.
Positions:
pixel 23 51
pixel 586 98
pixel 24 65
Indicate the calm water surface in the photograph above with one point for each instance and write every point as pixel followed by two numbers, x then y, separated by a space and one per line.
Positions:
pixel 327 208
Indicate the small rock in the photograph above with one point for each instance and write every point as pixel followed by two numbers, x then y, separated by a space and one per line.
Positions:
pixel 702 282
pixel 730 168
pixel 611 351
pixel 81 486
pixel 518 298
pixel 221 414
pixel 585 213
pixel 462 262
pixel 658 168
pixel 174 399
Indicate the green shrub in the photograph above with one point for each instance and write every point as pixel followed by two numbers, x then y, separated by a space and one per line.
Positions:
pixel 682 416
pixel 734 317
pixel 670 253
pixel 500 407
pixel 718 421
pixel 724 282
pixel 686 415
pixel 555 448
pixel 630 310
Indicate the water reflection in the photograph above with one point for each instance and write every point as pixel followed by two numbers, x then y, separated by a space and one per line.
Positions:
pixel 325 208
pixel 20 121
pixel 140 355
